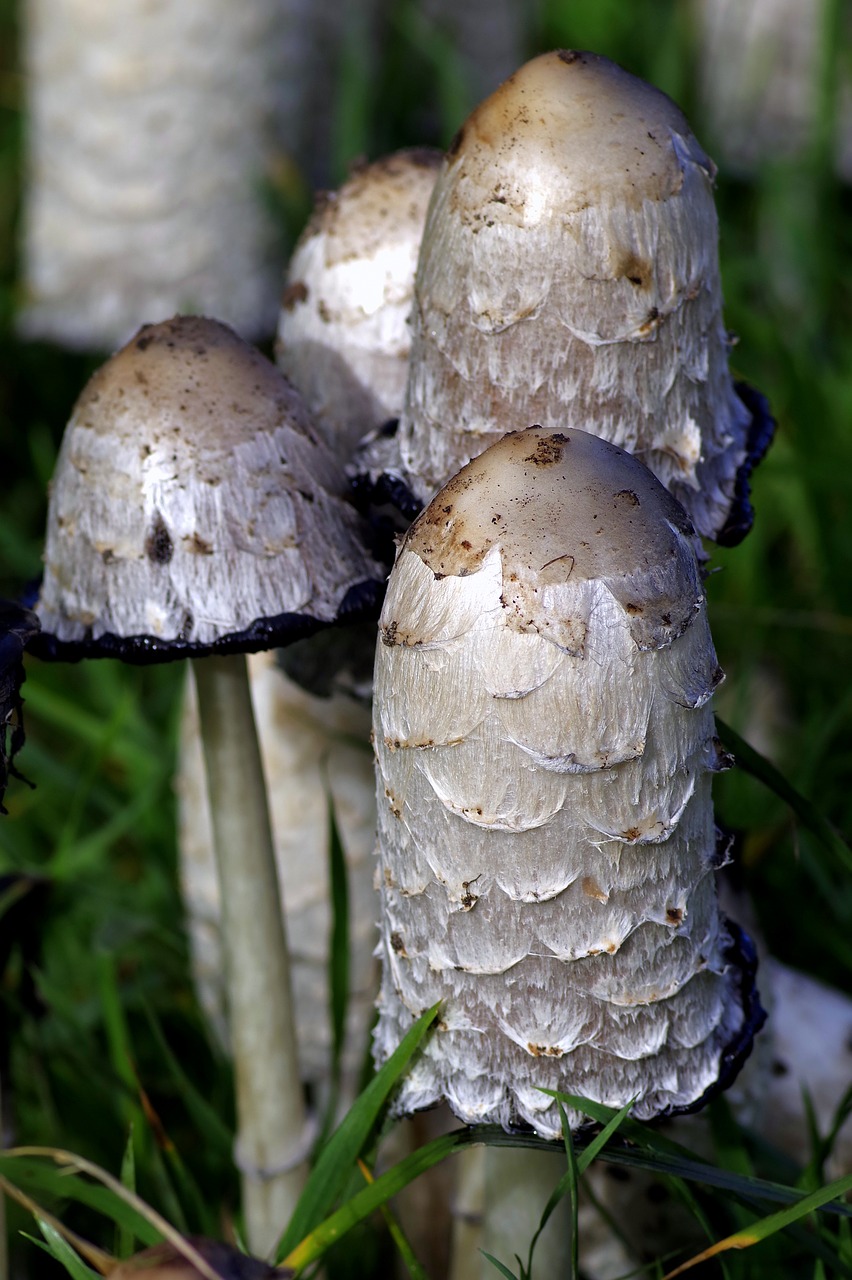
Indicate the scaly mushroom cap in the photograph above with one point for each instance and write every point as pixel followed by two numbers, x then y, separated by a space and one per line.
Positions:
pixel 569 274
pixel 544 747
pixel 343 333
pixel 194 506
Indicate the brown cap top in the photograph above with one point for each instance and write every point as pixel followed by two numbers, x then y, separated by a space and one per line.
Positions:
pixel 380 203
pixel 192 497
pixel 566 506
pixel 585 127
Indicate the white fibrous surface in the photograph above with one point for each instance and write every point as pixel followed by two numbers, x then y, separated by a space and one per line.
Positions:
pixel 569 276
pixel 192 496
pixel 343 331
pixel 153 129
pixel 544 749
pixel 762 78
pixel 313 758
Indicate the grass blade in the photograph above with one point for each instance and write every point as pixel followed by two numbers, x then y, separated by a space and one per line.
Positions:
pixel 768 1226
pixel 340 1153
pixel 398 1236
pixel 762 769
pixel 365 1202
pixel 29 1174
pixel 63 1253
pixel 599 1141
pixel 125 1240
pixel 501 1266
pixel 573 1190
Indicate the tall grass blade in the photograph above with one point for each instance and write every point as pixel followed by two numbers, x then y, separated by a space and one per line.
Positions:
pixel 338 1156
pixel 63 1253
pixel 394 1226
pixel 766 1227
pixel 500 1266
pixel 365 1202
pixel 762 769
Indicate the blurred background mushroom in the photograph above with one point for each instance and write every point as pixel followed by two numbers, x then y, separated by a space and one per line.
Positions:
pixel 153 193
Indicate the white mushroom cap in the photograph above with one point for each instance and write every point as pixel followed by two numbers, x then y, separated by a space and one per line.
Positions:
pixel 569 275
pixel 193 504
pixel 544 742
pixel 343 332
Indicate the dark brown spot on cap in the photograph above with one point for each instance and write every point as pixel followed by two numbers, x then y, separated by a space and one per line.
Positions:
pixel 294 294
pixel 158 544
pixel 568 55
pixel 397 944
pixel 548 451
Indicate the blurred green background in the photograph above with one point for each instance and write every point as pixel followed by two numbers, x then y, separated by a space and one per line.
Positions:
pixel 104 937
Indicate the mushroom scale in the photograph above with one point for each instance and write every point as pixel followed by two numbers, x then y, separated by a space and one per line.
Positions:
pixel 569 275
pixel 194 508
pixel 546 839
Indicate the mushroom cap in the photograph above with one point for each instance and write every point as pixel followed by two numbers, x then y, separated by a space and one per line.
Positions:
pixel 569 275
pixel 343 333
pixel 194 506
pixel 571 129
pixel 566 508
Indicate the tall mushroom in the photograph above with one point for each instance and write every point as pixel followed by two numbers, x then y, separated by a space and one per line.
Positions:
pixel 196 513
pixel 154 133
pixel 569 275
pixel 544 749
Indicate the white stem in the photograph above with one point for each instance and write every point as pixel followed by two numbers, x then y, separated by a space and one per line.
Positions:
pixel 466 1261
pixel 271 1118
pixel 518 1184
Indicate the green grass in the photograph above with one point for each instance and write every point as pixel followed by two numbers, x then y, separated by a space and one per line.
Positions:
pixel 96 997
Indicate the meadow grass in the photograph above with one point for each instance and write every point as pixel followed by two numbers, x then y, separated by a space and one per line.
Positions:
pixel 101 925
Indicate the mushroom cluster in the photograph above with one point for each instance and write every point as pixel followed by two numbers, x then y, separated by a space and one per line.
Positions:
pixel 542 723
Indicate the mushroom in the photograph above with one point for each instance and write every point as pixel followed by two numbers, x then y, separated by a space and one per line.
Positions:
pixel 17 627
pixel 154 134
pixel 569 275
pixel 544 750
pixel 343 331
pixel 195 513
pixel 762 72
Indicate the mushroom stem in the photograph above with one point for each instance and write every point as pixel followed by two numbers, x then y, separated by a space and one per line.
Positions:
pixel 271 1118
